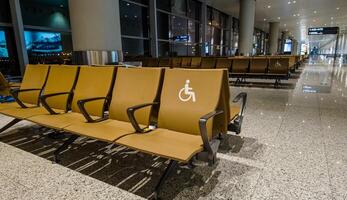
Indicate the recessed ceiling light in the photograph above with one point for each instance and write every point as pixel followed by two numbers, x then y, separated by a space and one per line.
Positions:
pixel 315 12
pixel 264 19
pixel 284 24
pixel 294 1
pixel 332 18
pixel 325 24
pixel 294 15
pixel 289 2
pixel 269 6
pixel 337 8
pixel 278 17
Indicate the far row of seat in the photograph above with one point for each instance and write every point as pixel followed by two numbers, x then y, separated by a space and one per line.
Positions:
pixel 270 67
pixel 178 114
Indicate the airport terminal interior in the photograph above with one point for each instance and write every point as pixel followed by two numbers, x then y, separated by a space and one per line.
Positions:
pixel 173 99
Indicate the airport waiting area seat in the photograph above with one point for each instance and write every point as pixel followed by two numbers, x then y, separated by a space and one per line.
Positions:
pixel 6 85
pixel 30 89
pixel 188 109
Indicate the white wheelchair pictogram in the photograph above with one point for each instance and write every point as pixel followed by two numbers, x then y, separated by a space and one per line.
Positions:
pixel 187 93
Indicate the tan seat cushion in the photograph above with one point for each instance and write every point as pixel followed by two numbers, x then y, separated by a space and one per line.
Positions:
pixel 5 106
pixel 24 113
pixel 165 143
pixel 234 110
pixel 59 121
pixel 108 130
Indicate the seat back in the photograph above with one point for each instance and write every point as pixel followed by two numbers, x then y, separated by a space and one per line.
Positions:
pixel 196 61
pixel 61 78
pixel 150 62
pixel 278 65
pixel 240 65
pixel 34 78
pixel 179 111
pixel 186 61
pixel 164 62
pixel 4 86
pixel 208 63
pixel 176 62
pixel 223 63
pixel 258 65
pixel 135 86
pixel 93 82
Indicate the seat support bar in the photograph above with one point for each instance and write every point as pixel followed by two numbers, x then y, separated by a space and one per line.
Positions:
pixel 9 125
pixel 66 144
pixel 169 169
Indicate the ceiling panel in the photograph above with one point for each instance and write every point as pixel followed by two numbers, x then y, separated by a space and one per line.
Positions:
pixel 296 16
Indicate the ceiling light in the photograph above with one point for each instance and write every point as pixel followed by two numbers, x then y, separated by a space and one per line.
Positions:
pixel 285 25
pixel 315 12
pixel 332 18
pixel 289 2
pixel 294 1
pixel 337 8
pixel 325 24
pixel 264 19
pixel 278 17
pixel 294 15
pixel 298 15
pixel 268 6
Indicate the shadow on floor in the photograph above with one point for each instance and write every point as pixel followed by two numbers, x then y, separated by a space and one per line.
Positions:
pixel 122 167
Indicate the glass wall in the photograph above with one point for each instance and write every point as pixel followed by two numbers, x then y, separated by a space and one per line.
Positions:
pixel 134 18
pixel 178 27
pixel 216 37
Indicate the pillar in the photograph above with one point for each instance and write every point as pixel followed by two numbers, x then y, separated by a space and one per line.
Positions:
pixel 18 29
pixel 274 31
pixel 95 28
pixel 294 47
pixel 247 13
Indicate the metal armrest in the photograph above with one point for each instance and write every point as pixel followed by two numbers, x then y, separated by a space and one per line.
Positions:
pixel 243 97
pixel 208 146
pixel 44 103
pixel 132 119
pixel 81 106
pixel 15 92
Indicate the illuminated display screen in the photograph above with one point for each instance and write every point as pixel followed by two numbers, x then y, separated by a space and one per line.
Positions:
pixel 43 42
pixel 3 45
pixel 288 46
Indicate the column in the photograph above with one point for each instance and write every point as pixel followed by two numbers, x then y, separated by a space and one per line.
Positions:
pixel 18 29
pixel 294 47
pixel 274 31
pixel 95 28
pixel 203 27
pixel 153 27
pixel 247 13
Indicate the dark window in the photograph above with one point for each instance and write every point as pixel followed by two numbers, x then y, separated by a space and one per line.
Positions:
pixel 179 7
pixel 179 49
pixel 178 26
pixel 5 15
pixel 193 10
pixel 134 19
pixel 145 2
pixel 163 25
pixel 164 5
pixel 164 49
pixel 135 47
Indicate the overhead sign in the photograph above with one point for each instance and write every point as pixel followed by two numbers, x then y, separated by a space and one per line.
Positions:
pixel 323 30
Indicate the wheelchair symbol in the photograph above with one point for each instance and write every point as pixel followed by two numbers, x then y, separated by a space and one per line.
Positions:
pixel 187 93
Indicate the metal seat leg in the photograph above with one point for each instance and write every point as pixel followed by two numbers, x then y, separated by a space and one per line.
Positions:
pixel 63 147
pixel 9 125
pixel 169 169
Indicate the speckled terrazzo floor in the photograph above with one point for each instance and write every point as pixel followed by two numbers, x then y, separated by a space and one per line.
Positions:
pixel 292 146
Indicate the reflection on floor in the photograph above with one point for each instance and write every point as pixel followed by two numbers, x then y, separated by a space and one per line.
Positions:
pixel 292 146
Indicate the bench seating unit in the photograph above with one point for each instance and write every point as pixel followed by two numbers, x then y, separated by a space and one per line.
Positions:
pixel 189 109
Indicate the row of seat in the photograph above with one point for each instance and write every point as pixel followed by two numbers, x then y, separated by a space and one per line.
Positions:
pixel 178 114
pixel 271 67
